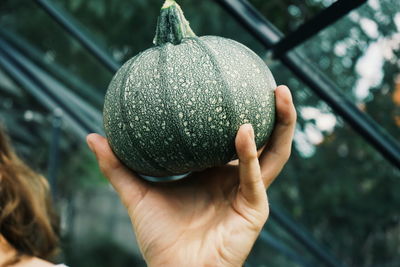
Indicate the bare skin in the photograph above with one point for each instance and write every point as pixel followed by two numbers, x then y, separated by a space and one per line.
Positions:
pixel 7 252
pixel 214 217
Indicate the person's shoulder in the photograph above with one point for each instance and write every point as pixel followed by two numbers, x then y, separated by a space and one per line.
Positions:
pixel 34 262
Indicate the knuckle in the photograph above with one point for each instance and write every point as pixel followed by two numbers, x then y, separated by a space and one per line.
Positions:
pixel 253 156
pixel 114 164
pixel 249 158
pixel 103 168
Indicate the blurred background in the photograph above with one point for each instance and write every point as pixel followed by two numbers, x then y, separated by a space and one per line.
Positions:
pixel 340 196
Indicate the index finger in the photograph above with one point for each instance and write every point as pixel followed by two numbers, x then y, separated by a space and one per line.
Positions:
pixel 278 149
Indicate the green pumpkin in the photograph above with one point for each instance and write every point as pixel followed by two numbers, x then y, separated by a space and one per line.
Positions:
pixel 176 107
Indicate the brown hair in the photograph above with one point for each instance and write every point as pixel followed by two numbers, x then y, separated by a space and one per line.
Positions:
pixel 27 220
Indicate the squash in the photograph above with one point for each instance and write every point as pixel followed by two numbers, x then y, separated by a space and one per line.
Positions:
pixel 176 107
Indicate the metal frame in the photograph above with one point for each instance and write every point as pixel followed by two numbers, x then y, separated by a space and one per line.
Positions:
pixel 266 237
pixel 303 236
pixel 49 92
pixel 54 154
pixel 72 26
pixel 70 80
pixel 322 86
pixel 322 20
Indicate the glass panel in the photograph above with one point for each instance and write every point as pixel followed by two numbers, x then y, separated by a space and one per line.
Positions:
pixel 287 15
pixel 28 21
pixel 361 54
pixel 335 184
pixel 127 28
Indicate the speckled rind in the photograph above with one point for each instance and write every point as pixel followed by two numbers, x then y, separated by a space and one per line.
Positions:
pixel 177 108
pixel 115 127
pixel 251 85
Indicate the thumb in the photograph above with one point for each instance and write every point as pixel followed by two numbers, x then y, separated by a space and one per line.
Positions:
pixel 108 162
pixel 129 187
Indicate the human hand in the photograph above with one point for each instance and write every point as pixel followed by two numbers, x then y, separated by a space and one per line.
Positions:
pixel 213 217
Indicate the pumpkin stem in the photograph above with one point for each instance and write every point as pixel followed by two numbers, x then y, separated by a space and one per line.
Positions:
pixel 172 26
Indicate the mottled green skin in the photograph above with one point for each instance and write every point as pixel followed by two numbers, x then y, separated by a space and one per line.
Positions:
pixel 177 108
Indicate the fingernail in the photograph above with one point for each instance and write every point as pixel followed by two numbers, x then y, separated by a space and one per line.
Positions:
pixel 251 132
pixel 90 145
pixel 249 129
pixel 285 88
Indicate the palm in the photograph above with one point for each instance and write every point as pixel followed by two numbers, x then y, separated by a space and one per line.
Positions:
pixel 195 215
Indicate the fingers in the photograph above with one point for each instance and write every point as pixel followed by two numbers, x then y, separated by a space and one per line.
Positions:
pixel 251 184
pixel 236 161
pixel 278 150
pixel 129 187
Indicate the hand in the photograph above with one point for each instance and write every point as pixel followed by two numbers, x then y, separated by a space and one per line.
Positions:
pixel 213 217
